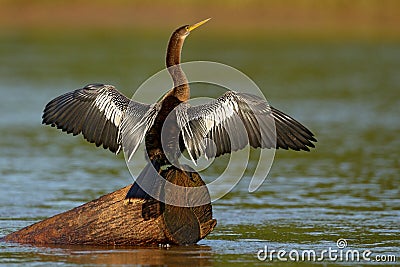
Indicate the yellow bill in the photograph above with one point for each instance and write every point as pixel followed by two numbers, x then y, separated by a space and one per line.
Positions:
pixel 198 24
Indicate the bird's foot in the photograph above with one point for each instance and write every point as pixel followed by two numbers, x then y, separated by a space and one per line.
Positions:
pixel 128 201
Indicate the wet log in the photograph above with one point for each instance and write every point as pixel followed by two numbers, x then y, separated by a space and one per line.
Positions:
pixel 112 220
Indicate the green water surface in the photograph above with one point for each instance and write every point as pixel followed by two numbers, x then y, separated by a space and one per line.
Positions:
pixel 345 91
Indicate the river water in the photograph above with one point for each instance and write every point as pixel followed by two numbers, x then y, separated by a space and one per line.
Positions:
pixel 346 92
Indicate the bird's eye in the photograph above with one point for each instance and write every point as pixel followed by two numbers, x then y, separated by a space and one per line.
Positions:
pixel 187 28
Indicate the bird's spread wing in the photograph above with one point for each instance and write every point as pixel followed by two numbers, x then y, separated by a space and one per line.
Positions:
pixel 97 111
pixel 291 134
pixel 234 120
pixel 134 128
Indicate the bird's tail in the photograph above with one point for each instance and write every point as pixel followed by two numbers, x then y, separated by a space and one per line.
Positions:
pixel 148 184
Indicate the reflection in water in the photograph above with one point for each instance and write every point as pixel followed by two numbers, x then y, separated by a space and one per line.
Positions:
pixel 184 256
pixel 196 255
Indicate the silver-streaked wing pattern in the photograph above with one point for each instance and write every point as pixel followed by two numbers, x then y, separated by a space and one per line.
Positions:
pixel 97 111
pixel 134 129
pixel 235 120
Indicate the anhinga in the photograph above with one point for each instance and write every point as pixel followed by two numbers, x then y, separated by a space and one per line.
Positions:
pixel 106 117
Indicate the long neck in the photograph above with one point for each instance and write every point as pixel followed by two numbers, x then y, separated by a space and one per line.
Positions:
pixel 181 87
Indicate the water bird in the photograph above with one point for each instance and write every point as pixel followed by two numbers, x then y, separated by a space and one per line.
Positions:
pixel 234 120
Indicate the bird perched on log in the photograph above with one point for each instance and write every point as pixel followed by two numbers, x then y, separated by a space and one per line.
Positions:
pixel 231 122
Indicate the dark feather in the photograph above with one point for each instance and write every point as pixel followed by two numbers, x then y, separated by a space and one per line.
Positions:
pixel 97 111
pixel 236 120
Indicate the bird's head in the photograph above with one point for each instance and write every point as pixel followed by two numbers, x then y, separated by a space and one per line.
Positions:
pixel 185 30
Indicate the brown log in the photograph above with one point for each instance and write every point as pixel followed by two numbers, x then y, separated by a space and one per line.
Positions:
pixel 111 220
